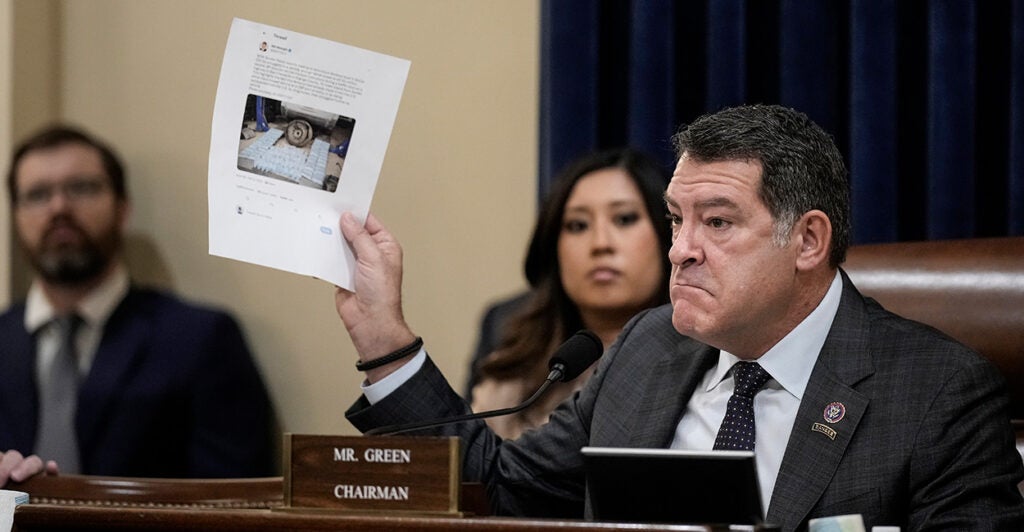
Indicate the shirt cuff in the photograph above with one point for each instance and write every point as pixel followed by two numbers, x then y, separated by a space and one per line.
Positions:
pixel 379 390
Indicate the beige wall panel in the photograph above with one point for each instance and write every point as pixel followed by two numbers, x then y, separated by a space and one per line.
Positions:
pixel 35 93
pixel 456 187
pixel 37 52
pixel 6 126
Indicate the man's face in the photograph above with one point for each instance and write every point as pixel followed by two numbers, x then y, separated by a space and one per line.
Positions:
pixel 732 285
pixel 68 218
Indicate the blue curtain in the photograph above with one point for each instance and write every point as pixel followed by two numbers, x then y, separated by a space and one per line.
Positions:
pixel 924 97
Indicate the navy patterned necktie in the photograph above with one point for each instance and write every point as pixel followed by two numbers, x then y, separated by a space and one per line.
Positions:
pixel 737 430
pixel 58 398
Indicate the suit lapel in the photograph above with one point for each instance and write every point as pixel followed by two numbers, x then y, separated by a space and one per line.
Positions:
pixel 818 440
pixel 815 449
pixel 123 343
pixel 668 391
pixel 18 395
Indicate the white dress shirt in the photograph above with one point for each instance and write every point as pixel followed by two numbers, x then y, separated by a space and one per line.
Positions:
pixel 382 388
pixel 94 310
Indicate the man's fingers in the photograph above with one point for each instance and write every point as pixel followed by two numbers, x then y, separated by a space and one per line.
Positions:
pixel 342 295
pixel 51 468
pixel 368 241
pixel 15 467
pixel 350 227
pixel 358 237
pixel 378 232
pixel 28 467
pixel 7 463
pixel 373 224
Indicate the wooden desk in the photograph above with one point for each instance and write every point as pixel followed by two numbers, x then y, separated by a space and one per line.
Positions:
pixel 47 517
pixel 82 503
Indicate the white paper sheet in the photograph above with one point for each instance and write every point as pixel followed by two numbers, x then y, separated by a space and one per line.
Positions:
pixel 327 113
pixel 9 500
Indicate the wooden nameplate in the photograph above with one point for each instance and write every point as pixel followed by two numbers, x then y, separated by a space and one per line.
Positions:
pixel 409 474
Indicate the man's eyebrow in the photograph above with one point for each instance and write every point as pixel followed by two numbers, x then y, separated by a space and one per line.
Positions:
pixel 719 201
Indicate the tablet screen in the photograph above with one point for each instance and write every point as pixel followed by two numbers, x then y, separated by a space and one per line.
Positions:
pixel 673 486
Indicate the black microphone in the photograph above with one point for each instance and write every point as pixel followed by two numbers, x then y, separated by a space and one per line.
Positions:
pixel 570 359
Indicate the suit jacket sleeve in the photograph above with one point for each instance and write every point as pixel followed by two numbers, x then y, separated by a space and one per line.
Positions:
pixel 524 476
pixel 232 412
pixel 964 477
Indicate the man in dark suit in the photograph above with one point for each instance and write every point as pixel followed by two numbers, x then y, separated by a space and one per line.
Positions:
pixel 153 386
pixel 766 345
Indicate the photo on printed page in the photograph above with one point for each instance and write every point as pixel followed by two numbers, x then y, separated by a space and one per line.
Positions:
pixel 294 143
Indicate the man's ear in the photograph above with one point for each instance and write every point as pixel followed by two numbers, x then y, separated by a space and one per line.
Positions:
pixel 813 232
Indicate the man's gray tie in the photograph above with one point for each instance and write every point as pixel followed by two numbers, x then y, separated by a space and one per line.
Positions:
pixel 737 430
pixel 58 399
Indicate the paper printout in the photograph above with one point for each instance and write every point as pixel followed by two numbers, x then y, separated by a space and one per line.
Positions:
pixel 9 500
pixel 300 128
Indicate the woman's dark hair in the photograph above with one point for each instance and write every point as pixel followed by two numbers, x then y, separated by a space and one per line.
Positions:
pixel 548 317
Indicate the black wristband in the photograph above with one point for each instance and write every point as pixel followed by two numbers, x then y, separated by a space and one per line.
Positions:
pixel 399 354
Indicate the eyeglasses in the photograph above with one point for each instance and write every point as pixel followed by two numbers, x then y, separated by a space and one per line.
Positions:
pixel 76 190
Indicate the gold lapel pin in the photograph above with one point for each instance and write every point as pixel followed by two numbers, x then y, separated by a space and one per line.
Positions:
pixel 824 429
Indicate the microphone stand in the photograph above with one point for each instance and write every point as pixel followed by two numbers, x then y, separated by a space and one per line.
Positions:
pixel 556 374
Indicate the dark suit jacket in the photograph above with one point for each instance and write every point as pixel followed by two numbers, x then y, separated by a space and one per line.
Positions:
pixel 925 443
pixel 173 392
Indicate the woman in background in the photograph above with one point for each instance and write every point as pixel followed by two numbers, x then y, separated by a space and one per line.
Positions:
pixel 598 255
